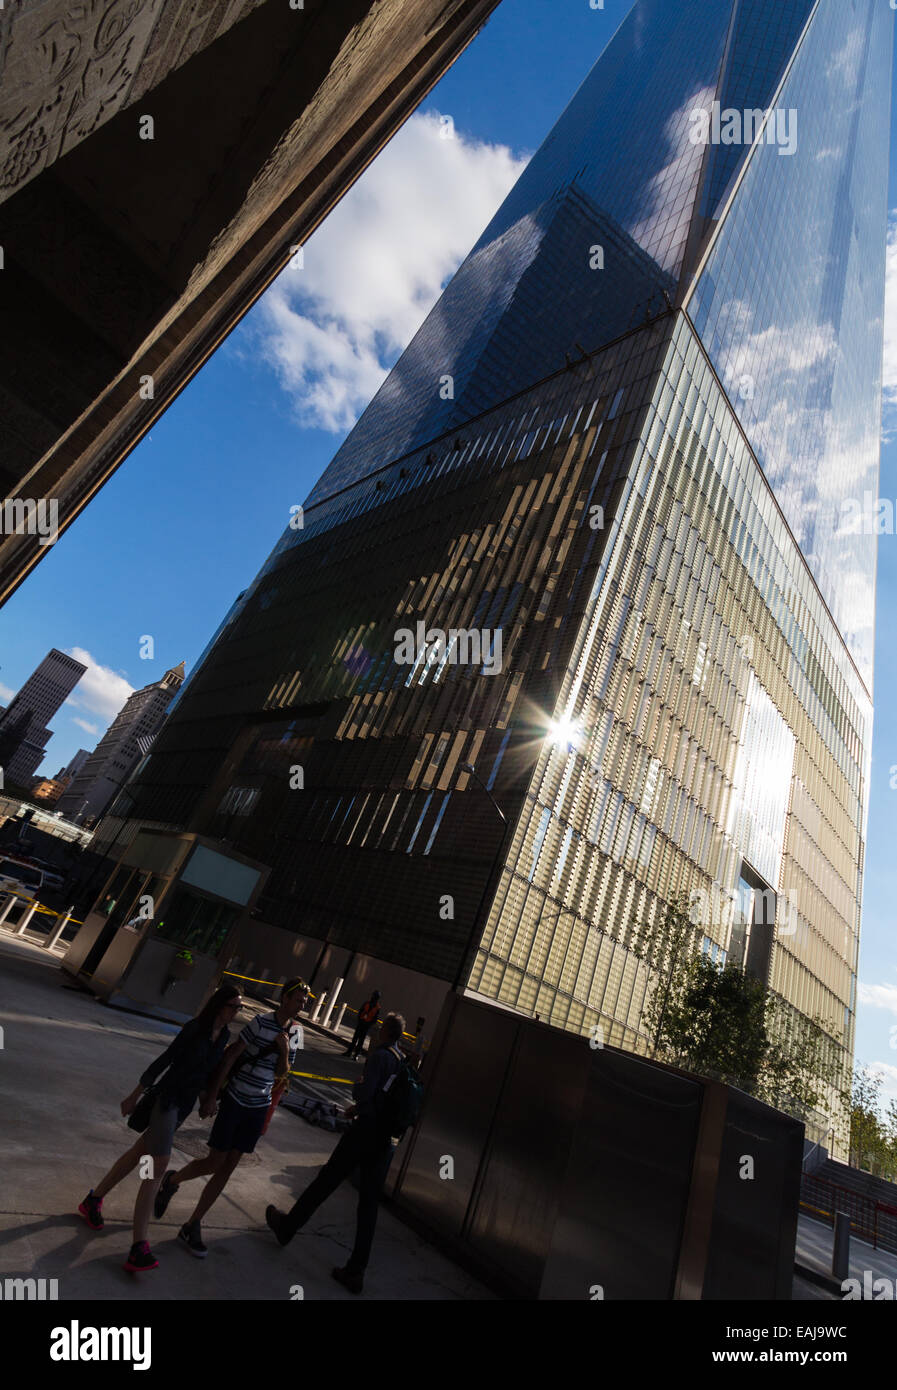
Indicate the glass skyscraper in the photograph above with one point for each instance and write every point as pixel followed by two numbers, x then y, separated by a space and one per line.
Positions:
pixel 604 490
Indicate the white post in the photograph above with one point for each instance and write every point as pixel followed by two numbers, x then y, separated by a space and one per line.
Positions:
pixel 8 907
pixel 334 995
pixel 63 923
pixel 319 1006
pixel 20 929
pixel 339 1020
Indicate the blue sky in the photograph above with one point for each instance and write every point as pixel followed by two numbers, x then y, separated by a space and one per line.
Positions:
pixel 192 514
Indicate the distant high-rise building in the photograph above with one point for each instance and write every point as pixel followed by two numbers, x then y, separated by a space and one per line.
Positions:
pixel 74 765
pixel 23 732
pixel 128 738
pixel 599 535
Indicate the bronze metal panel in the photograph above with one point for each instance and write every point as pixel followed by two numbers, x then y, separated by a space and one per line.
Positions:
pixel 460 1105
pixel 517 1203
pixel 626 1186
pixel 755 1213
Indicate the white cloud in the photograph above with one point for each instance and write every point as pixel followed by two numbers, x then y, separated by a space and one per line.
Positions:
pixel 888 1073
pixel 5 692
pixel 684 156
pixel 878 996
pixel 370 275
pixel 889 376
pixel 100 690
pixel 83 724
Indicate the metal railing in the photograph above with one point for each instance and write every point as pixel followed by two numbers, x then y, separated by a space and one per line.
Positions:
pixel 870 1220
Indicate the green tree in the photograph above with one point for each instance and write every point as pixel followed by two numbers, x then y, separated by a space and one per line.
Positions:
pixel 724 1023
pixel 721 1024
pixel 803 1068
pixel 869 1143
pixel 666 946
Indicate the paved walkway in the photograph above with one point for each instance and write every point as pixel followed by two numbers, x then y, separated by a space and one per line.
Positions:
pixel 65 1064
pixel 814 1249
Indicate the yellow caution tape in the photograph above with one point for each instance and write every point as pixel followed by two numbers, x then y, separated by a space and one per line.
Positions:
pixel 252 980
pixel 313 1076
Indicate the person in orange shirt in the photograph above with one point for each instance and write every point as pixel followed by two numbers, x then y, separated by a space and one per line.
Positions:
pixel 367 1017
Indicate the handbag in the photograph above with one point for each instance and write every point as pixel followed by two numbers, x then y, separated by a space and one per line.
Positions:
pixel 139 1117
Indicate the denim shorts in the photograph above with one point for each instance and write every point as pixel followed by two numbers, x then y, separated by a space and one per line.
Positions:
pixel 237 1126
pixel 159 1133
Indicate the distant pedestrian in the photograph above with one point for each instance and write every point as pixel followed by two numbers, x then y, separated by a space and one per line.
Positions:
pixel 269 1042
pixel 367 1017
pixel 188 1066
pixel 387 1100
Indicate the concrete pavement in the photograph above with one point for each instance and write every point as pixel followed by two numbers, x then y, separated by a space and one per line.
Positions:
pixel 866 1264
pixel 65 1065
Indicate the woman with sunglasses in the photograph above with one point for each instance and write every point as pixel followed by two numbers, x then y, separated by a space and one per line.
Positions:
pixel 188 1066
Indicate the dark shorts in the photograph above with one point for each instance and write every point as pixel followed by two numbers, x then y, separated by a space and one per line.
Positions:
pixel 159 1133
pixel 237 1126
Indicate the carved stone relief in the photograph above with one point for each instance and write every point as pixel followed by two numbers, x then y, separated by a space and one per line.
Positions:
pixel 67 67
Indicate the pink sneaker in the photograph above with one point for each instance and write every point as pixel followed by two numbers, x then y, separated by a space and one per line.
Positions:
pixel 92 1211
pixel 140 1258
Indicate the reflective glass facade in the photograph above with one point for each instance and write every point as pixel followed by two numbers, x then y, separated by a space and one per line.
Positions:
pixel 527 293
pixel 643 538
pixel 789 301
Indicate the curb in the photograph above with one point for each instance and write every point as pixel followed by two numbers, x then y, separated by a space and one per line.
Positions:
pixel 815 1276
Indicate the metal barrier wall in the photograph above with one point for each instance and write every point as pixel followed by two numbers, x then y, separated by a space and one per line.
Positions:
pixel 562 1171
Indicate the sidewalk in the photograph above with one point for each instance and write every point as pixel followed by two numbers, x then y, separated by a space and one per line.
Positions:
pixel 65 1064
pixel 815 1241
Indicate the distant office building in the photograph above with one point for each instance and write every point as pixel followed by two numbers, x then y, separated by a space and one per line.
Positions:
pixel 128 739
pixel 23 725
pixel 74 765
pixel 49 789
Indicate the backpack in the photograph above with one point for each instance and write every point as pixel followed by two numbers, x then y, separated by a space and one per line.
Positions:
pixel 401 1099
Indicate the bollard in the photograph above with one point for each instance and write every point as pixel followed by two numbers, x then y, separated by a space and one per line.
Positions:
pixel 322 999
pixel 63 923
pixel 20 929
pixel 8 907
pixel 841 1247
pixel 334 995
pixel 339 1019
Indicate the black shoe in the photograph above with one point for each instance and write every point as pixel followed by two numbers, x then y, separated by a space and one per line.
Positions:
pixel 166 1191
pixel 275 1220
pixel 349 1279
pixel 92 1211
pixel 140 1258
pixel 191 1236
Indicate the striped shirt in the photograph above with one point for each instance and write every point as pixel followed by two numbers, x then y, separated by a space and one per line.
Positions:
pixel 253 1080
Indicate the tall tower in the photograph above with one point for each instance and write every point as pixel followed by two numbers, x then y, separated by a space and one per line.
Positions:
pixel 118 752
pixel 23 726
pixel 597 536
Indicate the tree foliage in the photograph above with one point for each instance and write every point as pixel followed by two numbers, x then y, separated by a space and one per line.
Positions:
pixel 873 1137
pixel 721 1022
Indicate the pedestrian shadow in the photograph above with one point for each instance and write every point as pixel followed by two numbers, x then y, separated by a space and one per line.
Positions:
pixel 61 1256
